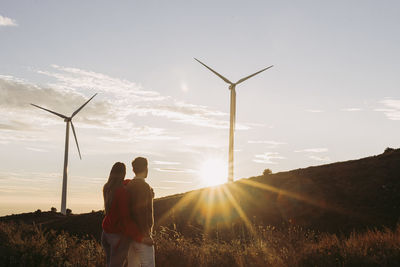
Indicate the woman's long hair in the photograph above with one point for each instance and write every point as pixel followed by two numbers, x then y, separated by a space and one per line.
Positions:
pixel 117 175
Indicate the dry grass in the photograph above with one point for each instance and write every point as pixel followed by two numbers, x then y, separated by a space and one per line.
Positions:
pixel 28 245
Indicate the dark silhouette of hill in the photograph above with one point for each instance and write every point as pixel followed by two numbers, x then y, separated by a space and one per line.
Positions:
pixel 338 197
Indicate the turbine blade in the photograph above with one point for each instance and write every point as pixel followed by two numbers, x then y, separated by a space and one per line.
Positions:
pixel 79 109
pixel 216 73
pixel 76 140
pixel 248 77
pixel 55 113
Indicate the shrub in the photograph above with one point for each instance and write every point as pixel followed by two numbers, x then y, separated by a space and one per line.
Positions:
pixel 68 211
pixel 388 149
pixel 267 172
pixel 53 209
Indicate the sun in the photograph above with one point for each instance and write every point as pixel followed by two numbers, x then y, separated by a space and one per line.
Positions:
pixel 213 172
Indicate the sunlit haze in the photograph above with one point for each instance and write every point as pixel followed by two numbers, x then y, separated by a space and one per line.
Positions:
pixel 332 95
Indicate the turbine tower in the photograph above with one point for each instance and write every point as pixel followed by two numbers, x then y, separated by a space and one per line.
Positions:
pixel 232 88
pixel 68 121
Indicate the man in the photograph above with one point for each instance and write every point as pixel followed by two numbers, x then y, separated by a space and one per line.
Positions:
pixel 141 211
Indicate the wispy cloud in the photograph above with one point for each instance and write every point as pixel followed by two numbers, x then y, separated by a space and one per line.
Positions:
pixel 18 115
pixel 139 134
pixel 312 150
pixel 314 110
pixel 119 111
pixel 321 159
pixel 268 158
pixel 14 125
pixel 177 182
pixel 392 108
pixel 181 112
pixel 7 137
pixel 175 170
pixel 37 184
pixel 13 182
pixel 5 21
pixel 135 100
pixel 17 94
pixel 163 187
pixel 351 109
pixel 159 162
pixel 68 78
pixel 36 149
pixel 270 144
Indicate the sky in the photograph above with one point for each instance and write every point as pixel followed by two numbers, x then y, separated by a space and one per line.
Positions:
pixel 332 95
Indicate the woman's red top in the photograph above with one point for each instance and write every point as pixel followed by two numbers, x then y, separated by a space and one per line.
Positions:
pixel 118 220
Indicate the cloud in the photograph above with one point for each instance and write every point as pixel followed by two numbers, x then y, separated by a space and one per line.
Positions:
pixel 267 158
pixel 5 21
pixel 351 109
pixel 37 184
pixel 175 170
pixel 13 125
pixel 312 150
pixel 163 187
pixel 19 115
pixel 36 149
pixel 181 112
pixel 118 111
pixel 271 144
pixel 7 137
pixel 315 150
pixel 158 162
pixel 21 181
pixel 139 134
pixel 321 159
pixel 137 101
pixel 314 110
pixel 177 182
pixel 392 108
pixel 16 95
pixel 72 78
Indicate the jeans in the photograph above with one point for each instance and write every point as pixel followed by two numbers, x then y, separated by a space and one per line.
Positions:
pixel 140 255
pixel 116 247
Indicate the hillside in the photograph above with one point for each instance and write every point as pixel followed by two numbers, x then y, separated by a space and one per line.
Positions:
pixel 335 197
pixel 338 197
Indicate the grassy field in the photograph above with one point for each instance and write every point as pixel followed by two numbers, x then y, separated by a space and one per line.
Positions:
pixel 28 245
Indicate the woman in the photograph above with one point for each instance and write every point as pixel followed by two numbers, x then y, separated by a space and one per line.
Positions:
pixel 118 228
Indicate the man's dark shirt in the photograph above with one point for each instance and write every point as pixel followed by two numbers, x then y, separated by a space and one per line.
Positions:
pixel 141 205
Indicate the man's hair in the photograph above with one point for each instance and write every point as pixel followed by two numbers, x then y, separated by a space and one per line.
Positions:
pixel 139 164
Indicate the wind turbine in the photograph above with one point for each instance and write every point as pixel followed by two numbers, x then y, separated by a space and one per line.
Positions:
pixel 68 121
pixel 232 87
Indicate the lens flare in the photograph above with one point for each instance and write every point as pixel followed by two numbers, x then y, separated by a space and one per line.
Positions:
pixel 213 172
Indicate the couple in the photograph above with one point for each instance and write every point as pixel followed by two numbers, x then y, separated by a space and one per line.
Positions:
pixel 127 225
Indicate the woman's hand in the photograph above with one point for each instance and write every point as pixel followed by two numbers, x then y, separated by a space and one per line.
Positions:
pixel 148 241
